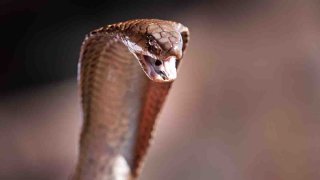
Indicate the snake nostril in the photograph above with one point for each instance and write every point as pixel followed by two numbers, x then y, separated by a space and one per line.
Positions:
pixel 158 63
pixel 163 75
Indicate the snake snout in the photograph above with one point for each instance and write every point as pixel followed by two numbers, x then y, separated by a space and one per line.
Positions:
pixel 163 75
pixel 160 70
pixel 176 51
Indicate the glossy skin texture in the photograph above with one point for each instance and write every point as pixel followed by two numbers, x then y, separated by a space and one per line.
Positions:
pixel 119 102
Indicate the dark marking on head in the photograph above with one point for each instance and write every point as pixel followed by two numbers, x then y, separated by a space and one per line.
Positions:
pixel 152 45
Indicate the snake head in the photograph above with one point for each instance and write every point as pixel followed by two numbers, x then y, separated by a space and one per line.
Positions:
pixel 158 47
pixel 164 50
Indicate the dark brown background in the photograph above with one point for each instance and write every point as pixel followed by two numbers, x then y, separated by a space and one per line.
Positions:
pixel 245 105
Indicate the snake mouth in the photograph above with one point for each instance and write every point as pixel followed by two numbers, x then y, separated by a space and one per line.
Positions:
pixel 160 70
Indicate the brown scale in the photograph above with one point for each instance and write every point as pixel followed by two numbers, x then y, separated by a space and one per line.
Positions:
pixel 119 103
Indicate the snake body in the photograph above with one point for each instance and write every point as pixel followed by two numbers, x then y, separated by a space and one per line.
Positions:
pixel 120 102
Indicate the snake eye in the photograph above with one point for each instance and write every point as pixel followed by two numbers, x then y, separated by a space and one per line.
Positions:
pixel 152 45
pixel 158 62
pixel 153 49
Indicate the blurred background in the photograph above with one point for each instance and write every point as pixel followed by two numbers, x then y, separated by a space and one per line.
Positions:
pixel 245 105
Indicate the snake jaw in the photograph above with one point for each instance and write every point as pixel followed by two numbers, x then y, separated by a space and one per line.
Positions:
pixel 159 70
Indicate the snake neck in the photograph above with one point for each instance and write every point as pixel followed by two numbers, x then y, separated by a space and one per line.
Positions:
pixel 120 107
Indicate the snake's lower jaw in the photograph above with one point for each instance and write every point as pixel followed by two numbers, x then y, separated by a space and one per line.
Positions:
pixel 160 70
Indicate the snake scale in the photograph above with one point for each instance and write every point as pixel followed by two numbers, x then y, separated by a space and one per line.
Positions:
pixel 125 72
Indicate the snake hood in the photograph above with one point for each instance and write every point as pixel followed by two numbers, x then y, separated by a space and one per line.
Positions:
pixel 119 104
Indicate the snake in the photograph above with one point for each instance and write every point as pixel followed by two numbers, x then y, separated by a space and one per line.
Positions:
pixel 125 72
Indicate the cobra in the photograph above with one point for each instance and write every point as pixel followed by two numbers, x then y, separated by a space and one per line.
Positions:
pixel 120 102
